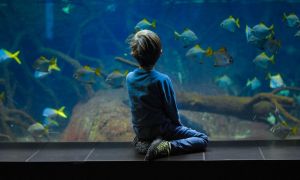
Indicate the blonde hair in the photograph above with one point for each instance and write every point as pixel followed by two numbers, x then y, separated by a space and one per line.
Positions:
pixel 145 48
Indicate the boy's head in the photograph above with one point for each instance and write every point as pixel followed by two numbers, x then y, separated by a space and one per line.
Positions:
pixel 146 48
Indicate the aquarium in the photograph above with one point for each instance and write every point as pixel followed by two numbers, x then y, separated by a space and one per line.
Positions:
pixel 234 65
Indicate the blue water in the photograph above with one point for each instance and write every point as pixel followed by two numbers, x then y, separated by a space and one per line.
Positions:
pixel 110 22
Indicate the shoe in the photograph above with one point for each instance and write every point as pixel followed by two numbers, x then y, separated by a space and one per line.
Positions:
pixel 141 146
pixel 159 148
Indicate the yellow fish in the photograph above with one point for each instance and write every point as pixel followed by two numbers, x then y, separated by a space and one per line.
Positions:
pixel 6 55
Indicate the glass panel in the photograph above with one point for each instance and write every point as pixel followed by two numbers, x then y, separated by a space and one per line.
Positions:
pixel 234 66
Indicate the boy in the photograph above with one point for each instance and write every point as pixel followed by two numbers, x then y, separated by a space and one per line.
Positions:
pixel 155 120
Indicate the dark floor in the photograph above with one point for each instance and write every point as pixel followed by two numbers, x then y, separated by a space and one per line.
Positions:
pixel 263 159
pixel 123 151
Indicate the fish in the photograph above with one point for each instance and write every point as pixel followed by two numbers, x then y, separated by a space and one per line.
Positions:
pixel 6 55
pixel 47 122
pixel 291 19
pixel 116 79
pixel 67 9
pixel 86 74
pixel 297 34
pixel 262 60
pixel 197 53
pixel 282 130
pixel 52 113
pixel 254 83
pixel 145 24
pixel 38 130
pixel 271 119
pixel 222 57
pixel 187 37
pixel 43 66
pixel 297 99
pixel 276 81
pixel 261 31
pixel 252 39
pixel 223 81
pixel 230 24
pixel 271 45
pixel 284 93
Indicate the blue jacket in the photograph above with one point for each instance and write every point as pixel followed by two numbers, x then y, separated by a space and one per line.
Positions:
pixel 152 99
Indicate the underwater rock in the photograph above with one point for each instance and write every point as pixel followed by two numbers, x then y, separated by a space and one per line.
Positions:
pixel 104 117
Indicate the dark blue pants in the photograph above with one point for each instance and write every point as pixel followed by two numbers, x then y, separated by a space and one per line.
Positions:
pixel 184 139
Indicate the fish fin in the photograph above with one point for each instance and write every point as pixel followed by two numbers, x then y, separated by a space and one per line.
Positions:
pixel 177 35
pixel 237 22
pixel 2 96
pixel 186 29
pixel 117 71
pixel 153 24
pixel 126 72
pixel 209 51
pixel 284 17
pixel 248 82
pixel 268 76
pixel 230 16
pixel 294 130
pixel 272 28
pixel 222 49
pixel 15 57
pixel 272 59
pixel 53 65
pixel 98 71
pixel 61 112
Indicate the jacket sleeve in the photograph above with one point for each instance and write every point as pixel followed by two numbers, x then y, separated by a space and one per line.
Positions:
pixel 169 101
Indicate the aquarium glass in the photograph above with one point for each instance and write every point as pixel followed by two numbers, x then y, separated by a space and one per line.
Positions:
pixel 234 65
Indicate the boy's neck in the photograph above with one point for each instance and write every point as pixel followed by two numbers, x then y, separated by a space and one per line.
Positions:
pixel 146 69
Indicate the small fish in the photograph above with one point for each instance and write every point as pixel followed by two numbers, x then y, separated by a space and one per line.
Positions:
pixel 47 122
pixel 116 79
pixel 291 19
pixel 187 37
pixel 271 119
pixel 252 39
pixel 43 66
pixel 145 24
pixel 284 93
pixel 223 81
pixel 230 24
pixel 254 83
pixel 276 81
pixel 6 55
pixel 37 130
pixel 67 9
pixel 86 74
pixel 197 53
pixel 272 45
pixel 262 60
pixel 297 34
pixel 51 113
pixel 222 58
pixel 282 130
pixel 261 31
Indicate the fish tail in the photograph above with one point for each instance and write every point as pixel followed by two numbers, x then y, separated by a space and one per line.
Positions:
pixel 248 82
pixel 126 72
pixel 272 59
pixel 237 22
pixel 61 112
pixel 54 65
pixel 272 27
pixel 284 17
pixel 15 57
pixel 209 51
pixel 268 76
pixel 98 71
pixel 153 24
pixel 177 35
